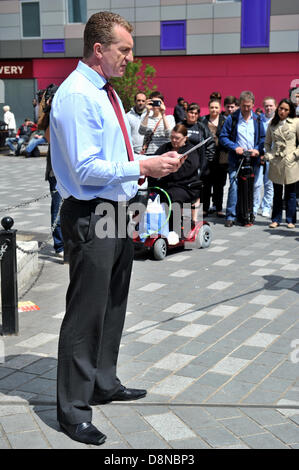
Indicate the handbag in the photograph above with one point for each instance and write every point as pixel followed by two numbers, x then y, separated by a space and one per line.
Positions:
pixel 223 157
pixel 148 138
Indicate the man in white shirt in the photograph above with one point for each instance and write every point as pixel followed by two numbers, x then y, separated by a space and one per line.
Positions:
pixel 135 116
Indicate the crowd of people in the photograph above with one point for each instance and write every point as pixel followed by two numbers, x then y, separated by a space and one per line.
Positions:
pixel 26 139
pixel 270 134
pixel 95 166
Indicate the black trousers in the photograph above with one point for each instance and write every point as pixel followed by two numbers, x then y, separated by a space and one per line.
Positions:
pixel 96 300
pixel 216 179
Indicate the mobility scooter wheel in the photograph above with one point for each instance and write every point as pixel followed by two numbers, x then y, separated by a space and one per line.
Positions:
pixel 204 237
pixel 160 249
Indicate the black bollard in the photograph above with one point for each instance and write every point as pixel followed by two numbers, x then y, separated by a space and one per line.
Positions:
pixel 9 281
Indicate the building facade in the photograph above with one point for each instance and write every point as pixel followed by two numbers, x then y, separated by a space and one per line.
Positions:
pixel 196 46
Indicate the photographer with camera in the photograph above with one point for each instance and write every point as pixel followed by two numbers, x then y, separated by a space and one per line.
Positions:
pixel 242 131
pixel 156 126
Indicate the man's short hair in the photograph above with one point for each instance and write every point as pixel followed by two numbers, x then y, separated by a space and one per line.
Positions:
pixel 156 94
pixel 269 98
pixel 193 107
pixel 99 28
pixel 230 99
pixel 139 93
pixel 246 96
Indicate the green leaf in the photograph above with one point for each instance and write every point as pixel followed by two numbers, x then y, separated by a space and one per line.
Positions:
pixel 136 78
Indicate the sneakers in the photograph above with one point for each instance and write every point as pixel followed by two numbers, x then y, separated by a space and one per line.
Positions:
pixel 274 225
pixel 266 214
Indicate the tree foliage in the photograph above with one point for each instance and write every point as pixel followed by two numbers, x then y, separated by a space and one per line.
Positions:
pixel 136 78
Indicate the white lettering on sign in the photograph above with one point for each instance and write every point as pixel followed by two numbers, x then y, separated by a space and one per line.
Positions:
pixel 11 69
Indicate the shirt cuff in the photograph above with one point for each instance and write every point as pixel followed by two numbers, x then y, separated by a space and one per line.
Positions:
pixel 131 171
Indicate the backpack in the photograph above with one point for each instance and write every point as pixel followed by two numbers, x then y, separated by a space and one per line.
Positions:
pixel 45 107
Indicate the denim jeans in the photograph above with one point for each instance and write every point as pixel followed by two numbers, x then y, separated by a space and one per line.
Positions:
pixel 290 199
pixel 34 142
pixel 11 140
pixel 263 180
pixel 55 203
pixel 233 192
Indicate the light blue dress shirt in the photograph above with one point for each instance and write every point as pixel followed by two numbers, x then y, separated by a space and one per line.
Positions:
pixel 245 133
pixel 88 150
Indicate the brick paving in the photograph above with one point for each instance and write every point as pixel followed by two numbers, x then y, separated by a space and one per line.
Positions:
pixel 212 334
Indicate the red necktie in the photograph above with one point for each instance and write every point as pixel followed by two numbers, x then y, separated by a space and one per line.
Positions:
pixel 114 101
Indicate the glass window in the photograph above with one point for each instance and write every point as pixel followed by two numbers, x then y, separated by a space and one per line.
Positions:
pixel 77 11
pixel 30 19
pixel 255 23
pixel 173 35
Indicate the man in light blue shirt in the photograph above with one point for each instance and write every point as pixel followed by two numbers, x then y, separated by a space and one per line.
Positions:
pixel 90 152
pixel 242 131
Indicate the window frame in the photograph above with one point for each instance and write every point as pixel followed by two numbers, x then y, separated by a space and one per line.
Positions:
pixel 179 22
pixel 67 14
pixel 21 18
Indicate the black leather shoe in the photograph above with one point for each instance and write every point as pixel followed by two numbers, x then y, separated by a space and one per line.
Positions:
pixel 123 394
pixel 84 432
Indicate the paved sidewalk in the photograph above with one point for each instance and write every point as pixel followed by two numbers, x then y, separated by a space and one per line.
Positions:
pixel 212 334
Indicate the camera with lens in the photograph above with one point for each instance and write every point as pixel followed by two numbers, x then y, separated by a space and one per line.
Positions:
pixel 246 157
pixel 156 103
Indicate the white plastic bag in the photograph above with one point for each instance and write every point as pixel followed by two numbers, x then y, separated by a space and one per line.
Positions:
pixel 154 220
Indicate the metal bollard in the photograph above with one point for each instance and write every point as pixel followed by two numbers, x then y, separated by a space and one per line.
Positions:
pixel 9 281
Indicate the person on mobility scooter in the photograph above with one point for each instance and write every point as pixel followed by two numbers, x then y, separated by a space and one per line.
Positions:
pixel 175 190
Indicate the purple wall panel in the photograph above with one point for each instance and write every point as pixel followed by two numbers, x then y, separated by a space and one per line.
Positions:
pixel 255 23
pixel 53 45
pixel 173 35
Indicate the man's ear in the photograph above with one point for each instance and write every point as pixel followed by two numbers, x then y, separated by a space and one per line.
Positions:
pixel 97 49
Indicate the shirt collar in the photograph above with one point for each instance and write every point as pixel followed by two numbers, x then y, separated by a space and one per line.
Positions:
pixel 98 80
pixel 241 116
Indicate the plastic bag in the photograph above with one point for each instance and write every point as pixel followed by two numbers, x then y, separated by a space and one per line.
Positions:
pixel 154 220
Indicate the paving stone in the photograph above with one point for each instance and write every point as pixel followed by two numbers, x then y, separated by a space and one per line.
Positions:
pixel 4 444
pixel 132 425
pixel 264 441
pixel 169 426
pixel 246 352
pixel 230 365
pixel 287 433
pixel 262 340
pixel 147 440
pixel 15 380
pixel 242 426
pixel 264 416
pixel 172 385
pixel 174 361
pixel 218 437
pixel 195 418
pixel 192 370
pixel 28 440
pixel 18 422
pixel 155 336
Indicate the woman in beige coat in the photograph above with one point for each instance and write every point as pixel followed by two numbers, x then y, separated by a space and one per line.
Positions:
pixel 282 151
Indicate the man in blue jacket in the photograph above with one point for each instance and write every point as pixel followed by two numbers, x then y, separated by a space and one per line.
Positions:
pixel 242 131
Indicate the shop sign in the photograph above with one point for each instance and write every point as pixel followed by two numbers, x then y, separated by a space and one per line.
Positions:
pixel 15 69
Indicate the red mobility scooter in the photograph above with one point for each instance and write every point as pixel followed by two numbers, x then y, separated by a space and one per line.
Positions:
pixel 158 244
